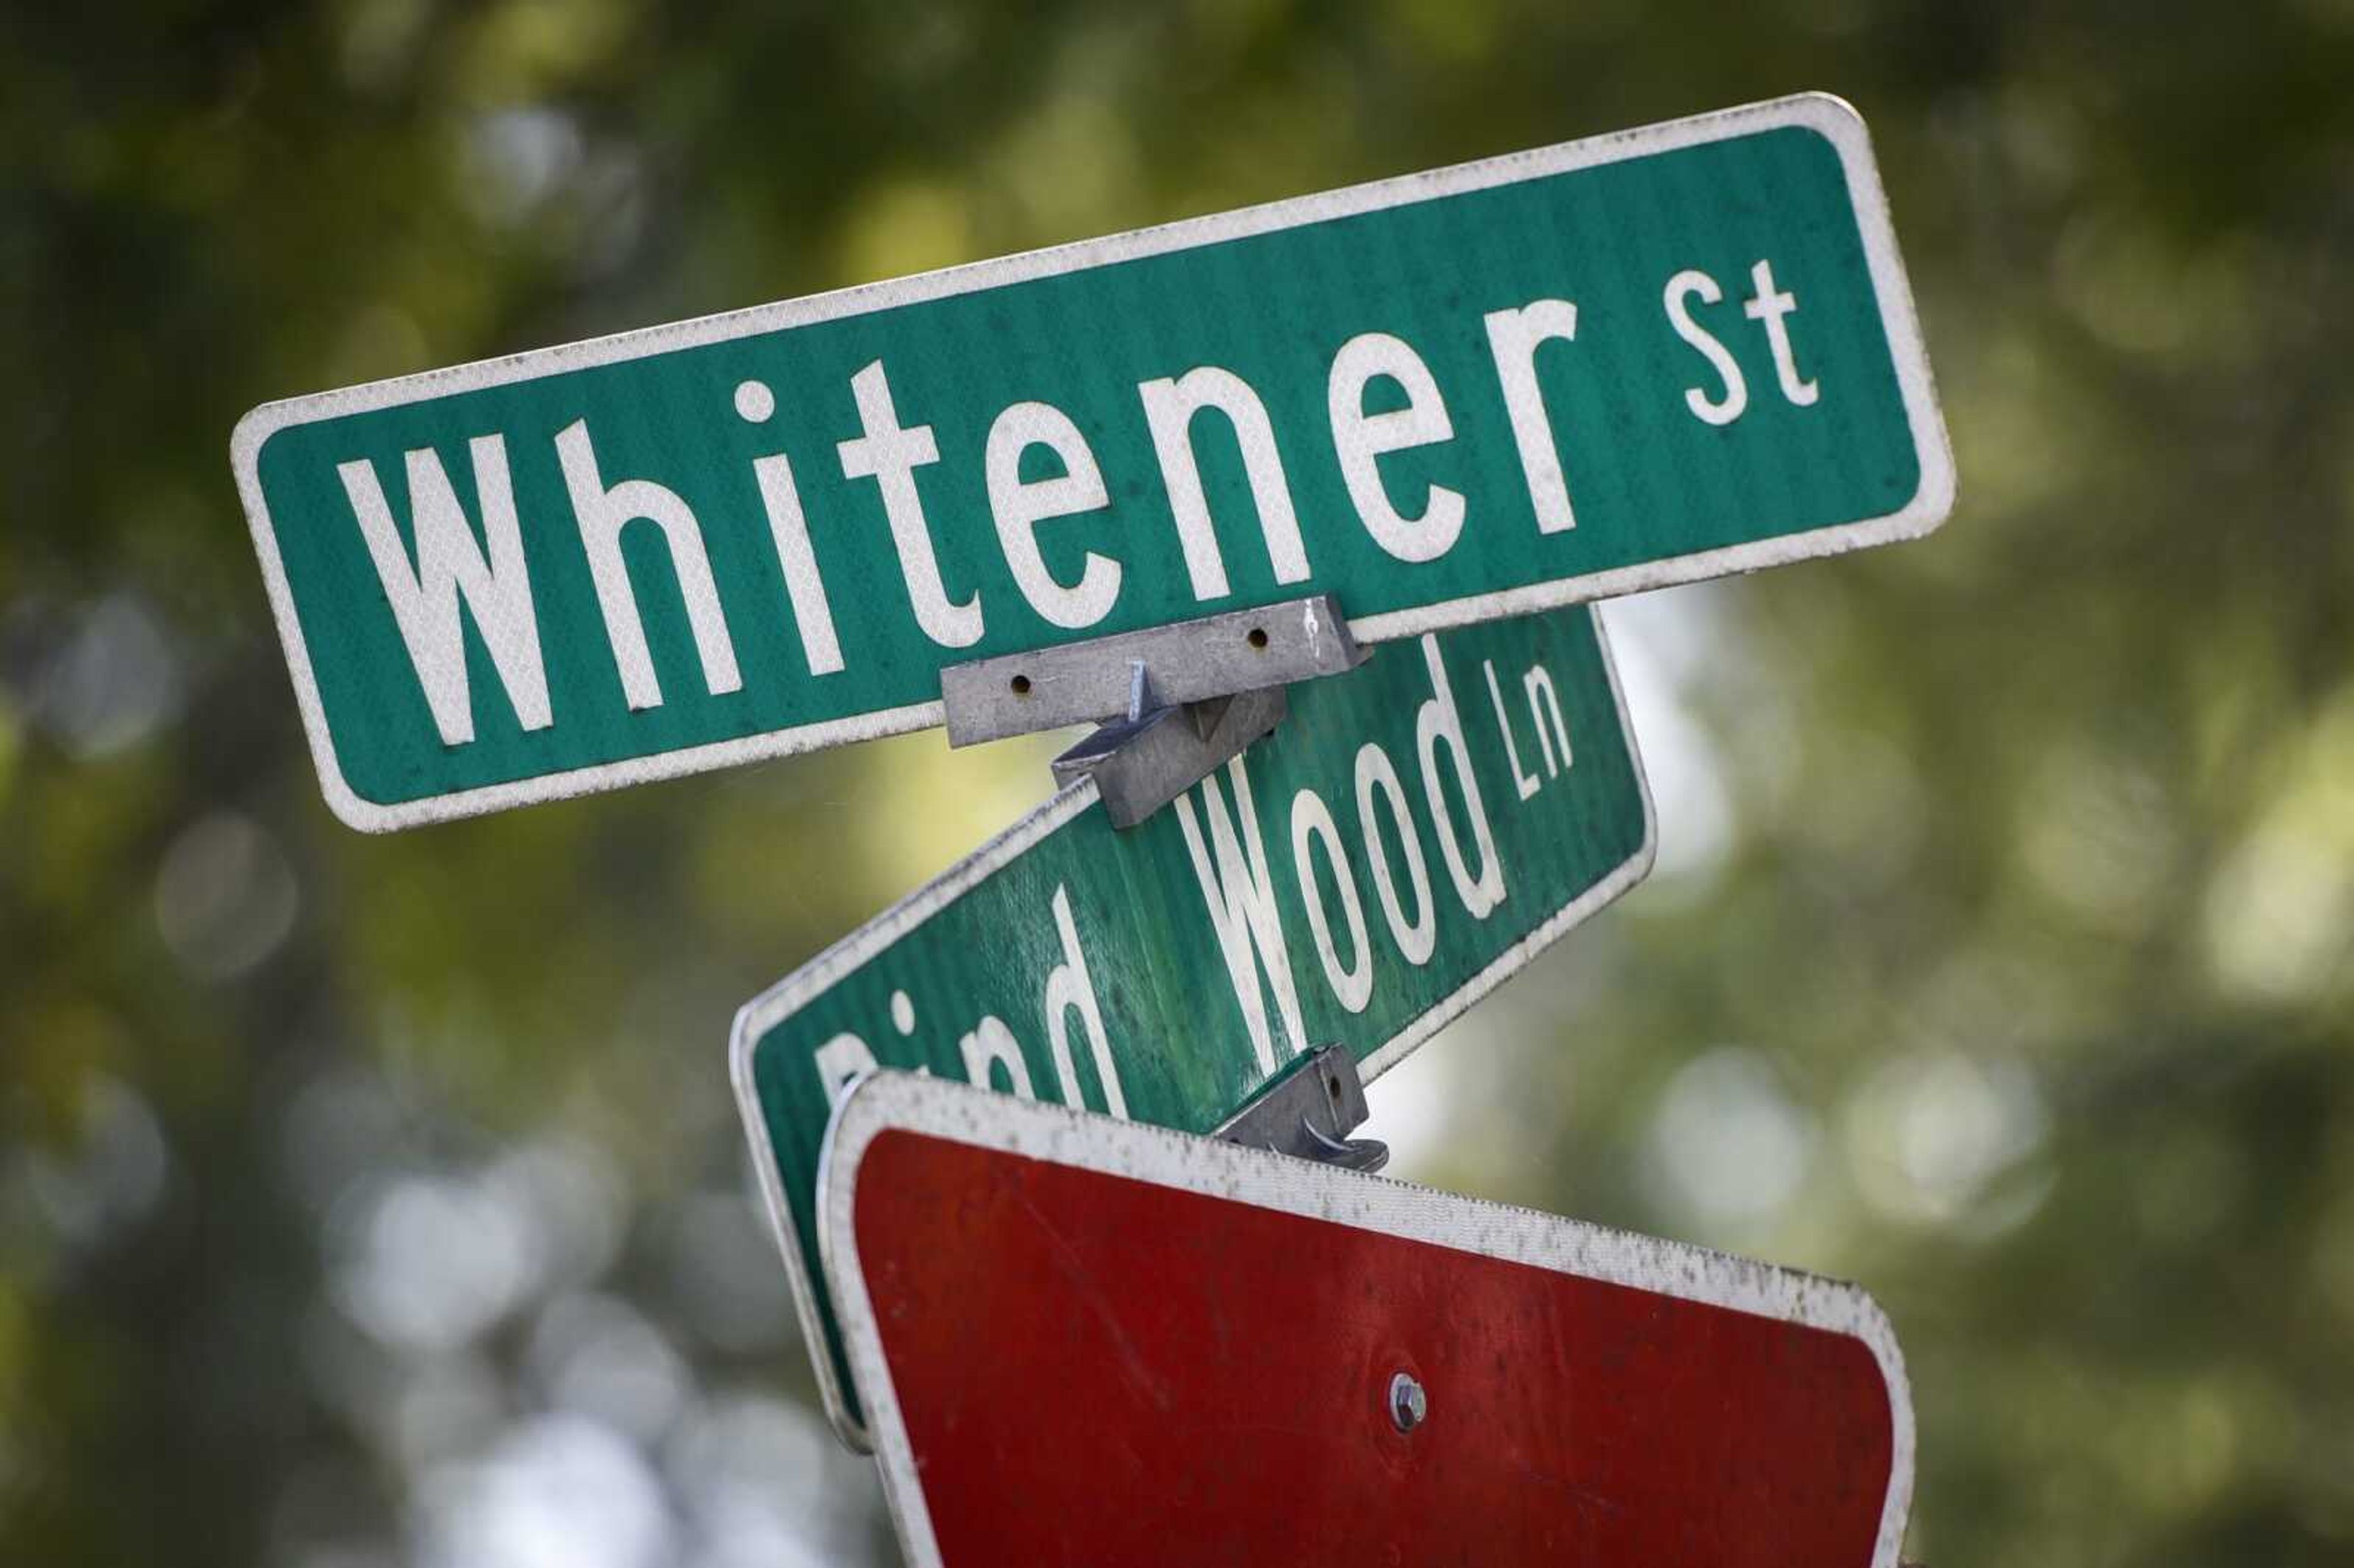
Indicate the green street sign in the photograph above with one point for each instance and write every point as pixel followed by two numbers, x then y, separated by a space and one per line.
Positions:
pixel 1645 358
pixel 1415 831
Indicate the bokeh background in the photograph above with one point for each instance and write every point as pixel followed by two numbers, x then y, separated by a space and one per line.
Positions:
pixel 380 1201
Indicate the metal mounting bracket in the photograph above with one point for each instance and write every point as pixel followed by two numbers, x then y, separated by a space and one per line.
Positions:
pixel 1309 1112
pixel 1174 701
pixel 1190 662
pixel 1142 762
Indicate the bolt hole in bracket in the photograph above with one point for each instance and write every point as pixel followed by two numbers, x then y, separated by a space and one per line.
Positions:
pixel 1174 702
pixel 1309 1113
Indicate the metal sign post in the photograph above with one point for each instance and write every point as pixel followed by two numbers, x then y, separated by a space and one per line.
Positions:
pixel 1418 829
pixel 1082 1341
pixel 1640 359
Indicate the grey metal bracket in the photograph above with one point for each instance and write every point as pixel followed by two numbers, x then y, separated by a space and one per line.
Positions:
pixel 1190 662
pixel 1174 701
pixel 1142 762
pixel 1309 1112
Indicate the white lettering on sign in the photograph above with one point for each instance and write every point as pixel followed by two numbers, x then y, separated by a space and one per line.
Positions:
pixel 1251 913
pixel 1523 784
pixel 1725 408
pixel 1241 899
pixel 601 514
pixel 1312 823
pixel 1169 409
pixel 1376 775
pixel 890 455
pixel 1438 724
pixel 1069 990
pixel 1544 703
pixel 840 1059
pixel 992 1053
pixel 1231 863
pixel 1020 506
pixel 781 499
pixel 450 566
pixel 992 1047
pixel 1513 339
pixel 1770 307
pixel 1361 439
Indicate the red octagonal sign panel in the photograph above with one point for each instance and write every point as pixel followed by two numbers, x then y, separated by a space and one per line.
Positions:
pixel 1083 1340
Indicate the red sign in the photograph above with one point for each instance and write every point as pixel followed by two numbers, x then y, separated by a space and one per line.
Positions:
pixel 1082 1341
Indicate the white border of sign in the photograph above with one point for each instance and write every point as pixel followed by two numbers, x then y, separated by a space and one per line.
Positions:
pixel 959 1112
pixel 821 973
pixel 1833 117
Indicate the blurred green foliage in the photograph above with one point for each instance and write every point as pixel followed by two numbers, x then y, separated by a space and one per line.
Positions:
pixel 369 1201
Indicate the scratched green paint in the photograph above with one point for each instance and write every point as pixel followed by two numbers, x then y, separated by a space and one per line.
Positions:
pixel 1172 1016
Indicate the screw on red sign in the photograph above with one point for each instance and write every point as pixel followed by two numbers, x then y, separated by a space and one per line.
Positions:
pixel 1086 1341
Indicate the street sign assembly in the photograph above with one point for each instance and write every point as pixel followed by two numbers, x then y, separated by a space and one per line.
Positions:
pixel 1056 1150
pixel 1418 829
pixel 1640 359
pixel 1081 1340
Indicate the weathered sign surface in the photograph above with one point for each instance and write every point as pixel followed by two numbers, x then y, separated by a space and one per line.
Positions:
pixel 1640 359
pixel 1416 830
pixel 1080 1341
